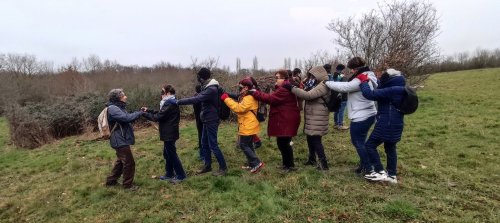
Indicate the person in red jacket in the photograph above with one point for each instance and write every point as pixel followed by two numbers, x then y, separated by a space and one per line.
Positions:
pixel 284 117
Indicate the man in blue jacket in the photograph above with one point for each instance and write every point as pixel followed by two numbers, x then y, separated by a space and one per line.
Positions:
pixel 122 136
pixel 210 104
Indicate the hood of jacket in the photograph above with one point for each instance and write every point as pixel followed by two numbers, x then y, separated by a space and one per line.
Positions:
pixel 392 77
pixel 119 104
pixel 211 82
pixel 319 73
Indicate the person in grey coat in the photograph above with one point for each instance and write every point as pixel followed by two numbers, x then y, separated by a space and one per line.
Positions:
pixel 122 137
pixel 316 114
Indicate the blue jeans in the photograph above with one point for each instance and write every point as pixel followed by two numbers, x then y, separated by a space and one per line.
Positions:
pixel 338 117
pixel 173 165
pixel 246 145
pixel 390 150
pixel 359 131
pixel 210 145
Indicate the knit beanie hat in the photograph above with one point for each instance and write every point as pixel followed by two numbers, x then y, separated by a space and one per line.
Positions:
pixel 247 83
pixel 204 74
pixel 340 67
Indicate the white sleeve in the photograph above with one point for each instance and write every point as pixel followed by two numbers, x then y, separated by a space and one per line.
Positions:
pixel 344 87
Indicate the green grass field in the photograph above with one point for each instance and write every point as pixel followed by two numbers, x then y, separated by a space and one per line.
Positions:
pixel 448 172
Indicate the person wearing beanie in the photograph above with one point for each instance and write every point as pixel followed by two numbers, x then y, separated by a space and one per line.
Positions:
pixel 209 100
pixel 284 117
pixel 338 117
pixel 121 138
pixel 248 125
pixel 390 122
pixel 360 110
pixel 168 118
pixel 316 115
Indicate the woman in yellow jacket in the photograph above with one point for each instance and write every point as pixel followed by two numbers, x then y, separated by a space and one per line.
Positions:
pixel 248 125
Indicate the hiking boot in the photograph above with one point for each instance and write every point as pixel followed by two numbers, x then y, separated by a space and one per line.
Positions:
pixel 256 169
pixel 219 172
pixel 391 179
pixel 111 184
pixel 205 169
pixel 376 176
pixel 289 169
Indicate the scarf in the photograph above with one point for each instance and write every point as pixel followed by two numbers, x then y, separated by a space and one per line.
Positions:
pixel 162 102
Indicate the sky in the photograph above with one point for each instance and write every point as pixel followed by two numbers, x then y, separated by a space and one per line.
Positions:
pixel 149 31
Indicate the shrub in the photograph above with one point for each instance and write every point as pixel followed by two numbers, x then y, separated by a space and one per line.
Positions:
pixel 25 130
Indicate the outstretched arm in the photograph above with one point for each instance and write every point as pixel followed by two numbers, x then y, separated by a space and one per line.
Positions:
pixel 275 98
pixel 121 116
pixel 244 106
pixel 344 87
pixel 314 93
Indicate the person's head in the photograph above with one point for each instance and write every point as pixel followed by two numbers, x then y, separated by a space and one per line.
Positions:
pixel 167 90
pixel 296 72
pixel 328 68
pixel 203 74
pixel 340 68
pixel 290 73
pixel 117 95
pixel 245 85
pixel 355 63
pixel 281 76
pixel 392 77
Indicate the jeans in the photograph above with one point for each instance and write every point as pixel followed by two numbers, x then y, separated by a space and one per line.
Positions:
pixel 199 127
pixel 338 117
pixel 210 145
pixel 316 147
pixel 173 165
pixel 286 151
pixel 390 150
pixel 125 165
pixel 359 131
pixel 246 145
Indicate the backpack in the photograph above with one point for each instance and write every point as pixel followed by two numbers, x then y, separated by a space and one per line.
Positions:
pixel 334 100
pixel 410 102
pixel 222 110
pixel 103 124
pixel 261 112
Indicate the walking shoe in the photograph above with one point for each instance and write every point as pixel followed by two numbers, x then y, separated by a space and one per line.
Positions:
pixel 342 127
pixel 205 169
pixel 132 187
pixel 376 176
pixel 219 172
pixel 245 167
pixel 176 180
pixel 391 179
pixel 111 184
pixel 289 169
pixel 165 178
pixel 256 169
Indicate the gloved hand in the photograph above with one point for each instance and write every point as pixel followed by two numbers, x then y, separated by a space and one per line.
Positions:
pixel 363 78
pixel 288 86
pixel 224 96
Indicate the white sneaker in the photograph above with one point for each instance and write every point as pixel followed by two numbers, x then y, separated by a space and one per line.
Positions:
pixel 376 176
pixel 391 179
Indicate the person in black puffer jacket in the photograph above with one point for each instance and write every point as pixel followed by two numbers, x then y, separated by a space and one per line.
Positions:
pixel 121 138
pixel 168 118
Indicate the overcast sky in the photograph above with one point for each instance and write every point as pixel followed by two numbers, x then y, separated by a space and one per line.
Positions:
pixel 148 31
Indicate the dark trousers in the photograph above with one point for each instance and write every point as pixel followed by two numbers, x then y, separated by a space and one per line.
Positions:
pixel 246 145
pixel 173 165
pixel 315 148
pixel 125 165
pixel 210 145
pixel 286 151
pixel 199 127
pixel 359 131
pixel 390 151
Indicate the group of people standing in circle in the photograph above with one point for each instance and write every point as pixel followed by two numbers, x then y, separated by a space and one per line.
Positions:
pixel 290 95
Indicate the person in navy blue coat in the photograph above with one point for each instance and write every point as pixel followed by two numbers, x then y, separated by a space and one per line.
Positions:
pixel 210 101
pixel 389 125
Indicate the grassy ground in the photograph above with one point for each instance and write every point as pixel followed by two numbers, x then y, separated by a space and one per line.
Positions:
pixel 448 169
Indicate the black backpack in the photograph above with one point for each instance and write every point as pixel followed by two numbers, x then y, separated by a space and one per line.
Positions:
pixel 261 112
pixel 223 111
pixel 410 101
pixel 333 104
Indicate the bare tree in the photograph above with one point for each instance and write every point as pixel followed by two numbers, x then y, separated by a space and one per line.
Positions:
pixel 92 64
pixel 255 64
pixel 238 65
pixel 399 34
